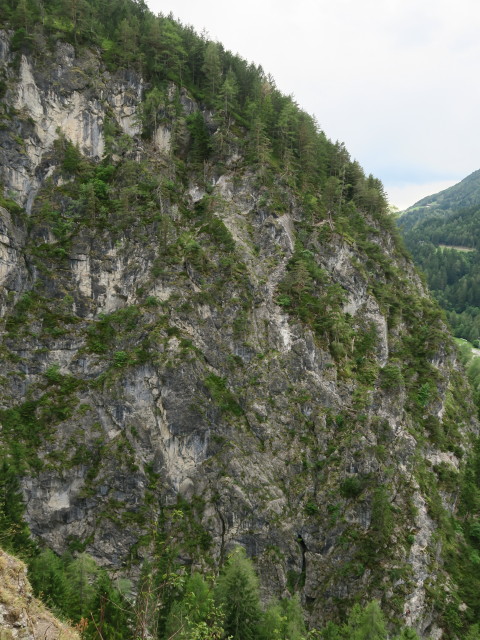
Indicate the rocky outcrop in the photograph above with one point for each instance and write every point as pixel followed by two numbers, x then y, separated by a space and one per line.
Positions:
pixel 156 379
pixel 21 615
pixel 71 96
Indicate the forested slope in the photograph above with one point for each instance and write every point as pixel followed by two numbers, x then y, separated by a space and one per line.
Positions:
pixel 212 337
pixel 442 232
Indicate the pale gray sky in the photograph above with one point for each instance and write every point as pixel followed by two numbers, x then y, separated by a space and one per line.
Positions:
pixel 396 80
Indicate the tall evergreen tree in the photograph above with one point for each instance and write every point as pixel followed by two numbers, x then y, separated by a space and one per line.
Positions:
pixel 48 579
pixel 366 624
pixel 238 593
pixel 212 67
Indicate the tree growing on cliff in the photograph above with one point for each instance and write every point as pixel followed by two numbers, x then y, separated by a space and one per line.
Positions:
pixel 238 593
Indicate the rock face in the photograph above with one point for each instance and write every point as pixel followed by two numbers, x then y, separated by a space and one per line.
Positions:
pixel 21 615
pixel 70 96
pixel 161 373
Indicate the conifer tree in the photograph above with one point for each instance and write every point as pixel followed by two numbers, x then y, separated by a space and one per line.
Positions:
pixel 366 624
pixel 195 612
pixel 212 67
pixel 238 593
pixel 14 532
pixel 283 620
pixel 110 617
pixel 229 92
pixel 81 575
pixel 47 577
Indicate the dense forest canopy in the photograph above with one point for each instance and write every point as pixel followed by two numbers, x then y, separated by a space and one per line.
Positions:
pixel 442 234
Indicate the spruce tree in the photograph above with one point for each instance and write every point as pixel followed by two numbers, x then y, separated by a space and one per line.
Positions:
pixel 194 614
pixel 47 576
pixel 111 612
pixel 283 620
pixel 81 576
pixel 238 593
pixel 367 623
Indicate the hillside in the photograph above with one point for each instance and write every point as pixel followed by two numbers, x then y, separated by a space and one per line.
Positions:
pixel 21 615
pixel 211 338
pixel 464 195
pixel 442 233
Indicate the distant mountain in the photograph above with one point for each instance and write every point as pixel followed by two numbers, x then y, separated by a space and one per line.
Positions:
pixel 442 233
pixel 463 195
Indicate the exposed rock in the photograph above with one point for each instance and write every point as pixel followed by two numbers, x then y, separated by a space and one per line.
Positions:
pixel 157 370
pixel 22 616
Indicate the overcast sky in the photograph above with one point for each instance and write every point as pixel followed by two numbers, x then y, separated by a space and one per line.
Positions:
pixel 396 80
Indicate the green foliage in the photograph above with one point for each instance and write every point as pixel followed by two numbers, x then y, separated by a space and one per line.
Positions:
pixel 221 395
pixel 283 620
pixel 382 517
pixel 352 487
pixel 14 532
pixel 72 158
pixel 109 330
pixel 308 293
pixel 163 50
pixel 442 235
pixel 111 613
pixel 76 589
pixel 26 425
pixel 366 624
pixel 49 581
pixel 391 377
pixel 219 233
pixel 10 205
pixel 242 115
pixel 195 615
pixel 238 593
pixel 200 144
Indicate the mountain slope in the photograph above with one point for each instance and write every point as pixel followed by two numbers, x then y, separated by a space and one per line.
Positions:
pixel 464 195
pixel 212 336
pixel 442 232
pixel 21 615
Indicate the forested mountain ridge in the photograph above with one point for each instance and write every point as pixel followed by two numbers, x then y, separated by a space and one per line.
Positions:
pixel 464 195
pixel 212 337
pixel 442 233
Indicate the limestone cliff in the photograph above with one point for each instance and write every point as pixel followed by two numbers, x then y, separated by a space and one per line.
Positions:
pixel 190 351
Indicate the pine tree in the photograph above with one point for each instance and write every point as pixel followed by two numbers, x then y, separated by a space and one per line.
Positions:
pixel 238 593
pixel 194 613
pixel 111 614
pixel 366 624
pixel 200 145
pixel 229 92
pixel 283 620
pixel 47 576
pixel 81 576
pixel 212 67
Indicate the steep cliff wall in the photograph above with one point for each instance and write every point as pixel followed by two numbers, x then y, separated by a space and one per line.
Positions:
pixel 191 352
